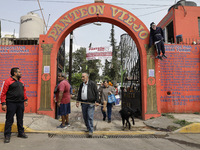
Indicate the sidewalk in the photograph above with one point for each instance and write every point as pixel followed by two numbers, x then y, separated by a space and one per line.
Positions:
pixel 161 125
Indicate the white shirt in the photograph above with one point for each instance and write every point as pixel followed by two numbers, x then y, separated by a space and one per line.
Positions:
pixel 84 91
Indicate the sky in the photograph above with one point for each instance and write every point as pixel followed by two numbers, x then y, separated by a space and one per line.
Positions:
pixel 146 10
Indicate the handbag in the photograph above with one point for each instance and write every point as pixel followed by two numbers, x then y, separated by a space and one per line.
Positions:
pixel 111 98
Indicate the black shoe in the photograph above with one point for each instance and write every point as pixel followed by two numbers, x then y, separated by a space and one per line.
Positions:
pixel 164 56
pixel 109 121
pixel 22 136
pixel 159 57
pixel 104 118
pixel 7 140
pixel 86 131
pixel 90 135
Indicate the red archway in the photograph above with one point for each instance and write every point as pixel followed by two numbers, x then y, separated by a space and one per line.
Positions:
pixel 49 45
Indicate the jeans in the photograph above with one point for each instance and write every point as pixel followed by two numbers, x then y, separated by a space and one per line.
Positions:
pixel 109 111
pixel 88 115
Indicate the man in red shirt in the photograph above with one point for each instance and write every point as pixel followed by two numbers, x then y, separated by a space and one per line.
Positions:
pixel 63 100
pixel 13 97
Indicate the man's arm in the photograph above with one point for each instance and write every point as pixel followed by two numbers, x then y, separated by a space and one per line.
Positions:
pixel 3 93
pixel 25 97
pixel 96 93
pixel 150 39
pixel 163 35
pixel 60 95
pixel 79 95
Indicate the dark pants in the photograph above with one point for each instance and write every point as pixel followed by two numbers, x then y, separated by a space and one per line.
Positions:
pixel 12 109
pixel 109 111
pixel 160 47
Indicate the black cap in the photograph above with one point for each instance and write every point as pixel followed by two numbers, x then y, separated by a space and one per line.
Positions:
pixel 152 24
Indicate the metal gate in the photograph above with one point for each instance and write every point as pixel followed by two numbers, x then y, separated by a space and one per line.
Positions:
pixel 130 61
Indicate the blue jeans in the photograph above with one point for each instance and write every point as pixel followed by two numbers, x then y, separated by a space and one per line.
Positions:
pixel 88 115
pixel 109 111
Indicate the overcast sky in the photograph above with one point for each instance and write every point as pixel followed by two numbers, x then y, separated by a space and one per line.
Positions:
pixel 146 10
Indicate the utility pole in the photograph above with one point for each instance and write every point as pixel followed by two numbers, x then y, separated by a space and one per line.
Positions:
pixel 70 56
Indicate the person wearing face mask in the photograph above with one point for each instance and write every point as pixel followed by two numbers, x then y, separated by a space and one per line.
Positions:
pixel 157 37
pixel 13 98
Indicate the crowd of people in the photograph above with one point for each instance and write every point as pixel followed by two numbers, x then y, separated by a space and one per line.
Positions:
pixel 89 96
pixel 13 100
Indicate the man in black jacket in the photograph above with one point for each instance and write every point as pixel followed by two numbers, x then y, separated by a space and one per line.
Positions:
pixel 157 36
pixel 88 94
pixel 13 97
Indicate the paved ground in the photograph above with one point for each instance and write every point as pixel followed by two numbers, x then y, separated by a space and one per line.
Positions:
pixel 160 125
pixel 44 142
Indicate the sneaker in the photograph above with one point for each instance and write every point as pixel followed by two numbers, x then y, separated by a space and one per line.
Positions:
pixel 23 135
pixel 164 56
pixel 67 124
pixel 7 140
pixel 158 56
pixel 61 126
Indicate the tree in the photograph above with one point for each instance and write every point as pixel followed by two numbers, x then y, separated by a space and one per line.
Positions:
pixel 106 70
pixel 115 64
pixel 76 80
pixel 80 64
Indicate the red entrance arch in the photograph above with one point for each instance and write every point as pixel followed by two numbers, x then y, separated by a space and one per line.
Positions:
pixel 49 45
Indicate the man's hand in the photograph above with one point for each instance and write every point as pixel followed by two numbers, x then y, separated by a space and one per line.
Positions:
pixel 96 104
pixel 77 104
pixel 104 106
pixel 54 99
pixel 4 107
pixel 26 103
pixel 58 104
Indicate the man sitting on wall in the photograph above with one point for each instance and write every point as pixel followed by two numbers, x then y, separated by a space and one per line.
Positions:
pixel 157 36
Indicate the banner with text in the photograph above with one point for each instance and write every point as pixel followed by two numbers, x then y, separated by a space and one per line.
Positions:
pixel 99 53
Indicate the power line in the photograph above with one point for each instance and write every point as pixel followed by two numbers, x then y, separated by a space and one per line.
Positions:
pixel 149 7
pixel 9 21
pixel 151 13
pixel 90 2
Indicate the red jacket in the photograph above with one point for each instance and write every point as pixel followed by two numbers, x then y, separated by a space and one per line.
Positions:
pixel 13 91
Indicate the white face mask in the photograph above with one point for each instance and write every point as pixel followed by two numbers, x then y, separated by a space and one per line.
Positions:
pixel 154 26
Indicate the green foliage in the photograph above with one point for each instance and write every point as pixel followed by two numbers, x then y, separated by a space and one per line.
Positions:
pixel 197 113
pixel 168 116
pixel 80 64
pixel 112 69
pixel 182 122
pixel 76 80
pixel 106 78
pixel 172 128
pixel 152 118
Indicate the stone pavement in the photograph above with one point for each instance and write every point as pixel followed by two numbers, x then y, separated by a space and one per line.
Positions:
pixel 45 124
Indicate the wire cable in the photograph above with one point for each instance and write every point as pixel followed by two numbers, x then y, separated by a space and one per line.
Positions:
pixel 151 13
pixel 90 2
pixel 9 21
